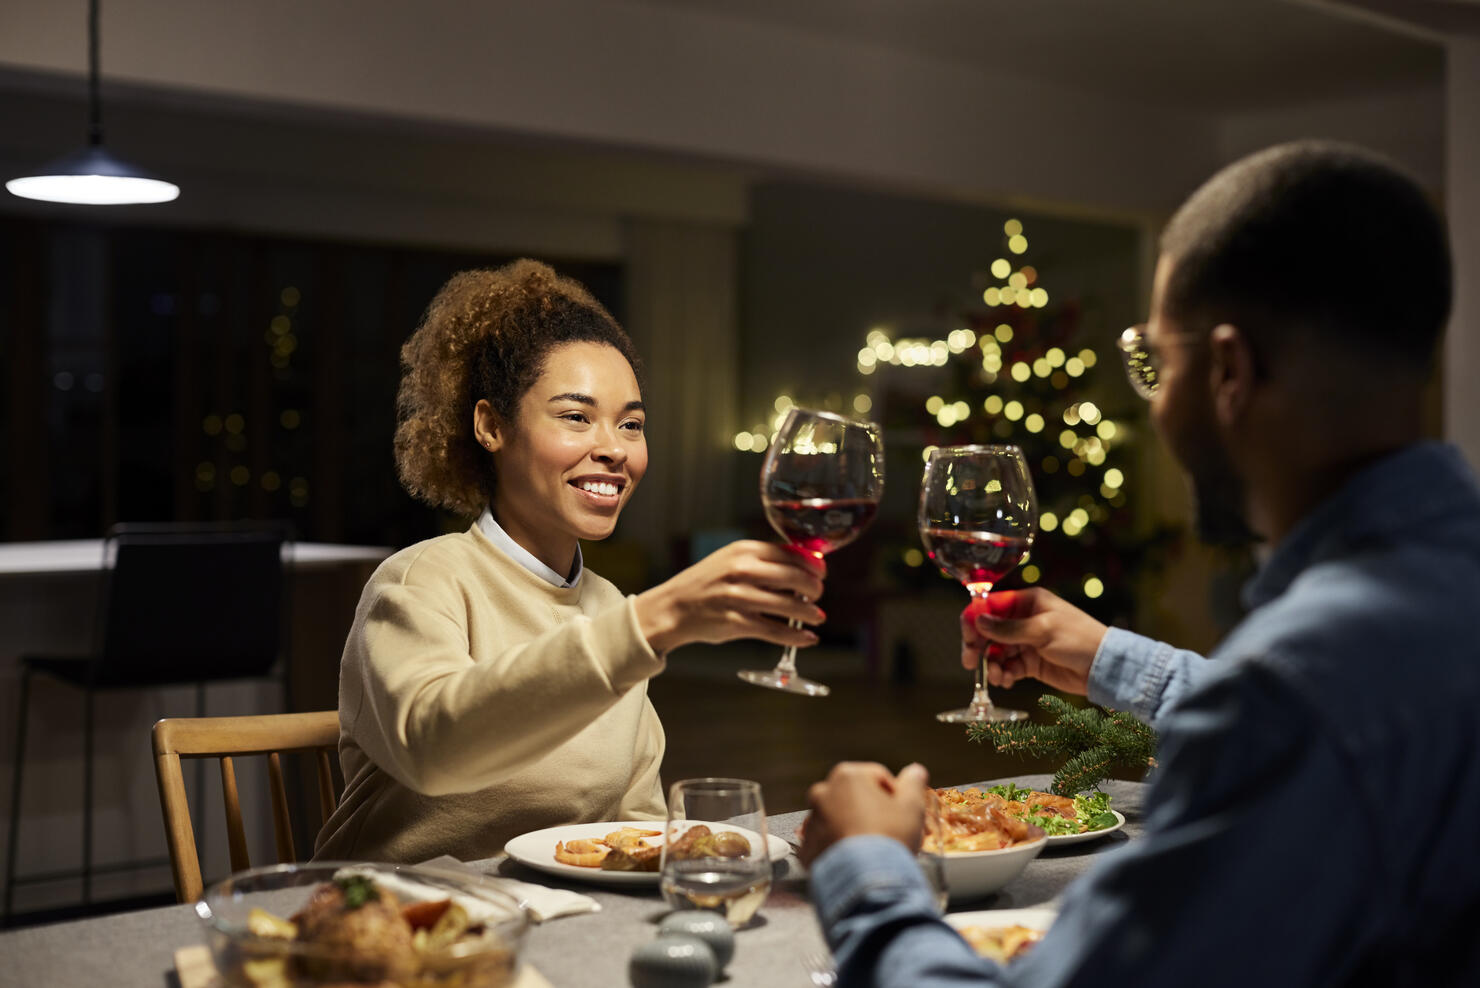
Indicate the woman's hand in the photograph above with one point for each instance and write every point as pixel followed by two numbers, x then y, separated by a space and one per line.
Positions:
pixel 1031 633
pixel 745 590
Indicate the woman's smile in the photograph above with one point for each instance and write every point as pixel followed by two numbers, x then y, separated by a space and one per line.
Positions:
pixel 569 462
pixel 603 490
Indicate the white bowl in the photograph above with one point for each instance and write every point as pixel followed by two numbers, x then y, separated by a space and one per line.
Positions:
pixel 973 874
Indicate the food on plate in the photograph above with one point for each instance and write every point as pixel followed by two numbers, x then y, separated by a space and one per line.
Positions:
pixel 620 850
pixel 1058 815
pixel 628 849
pixel 352 931
pixel 581 853
pixel 969 824
pixel 1000 943
pixel 642 857
pixel 701 842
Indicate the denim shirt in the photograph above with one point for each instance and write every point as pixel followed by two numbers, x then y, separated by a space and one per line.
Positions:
pixel 1315 819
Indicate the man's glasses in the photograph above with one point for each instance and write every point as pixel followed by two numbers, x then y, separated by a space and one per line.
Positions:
pixel 1141 361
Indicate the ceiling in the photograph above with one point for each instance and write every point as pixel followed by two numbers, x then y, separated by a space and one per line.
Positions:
pixel 1218 56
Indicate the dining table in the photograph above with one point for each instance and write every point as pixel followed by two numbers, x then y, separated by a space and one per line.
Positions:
pixel 779 947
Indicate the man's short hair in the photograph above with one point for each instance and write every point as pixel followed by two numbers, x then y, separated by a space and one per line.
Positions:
pixel 1314 238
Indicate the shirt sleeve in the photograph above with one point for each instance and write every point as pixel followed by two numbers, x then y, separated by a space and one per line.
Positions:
pixel 878 913
pixel 1228 885
pixel 1224 887
pixel 1142 676
pixel 440 718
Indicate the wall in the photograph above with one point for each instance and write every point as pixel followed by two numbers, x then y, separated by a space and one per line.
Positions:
pixel 1462 351
pixel 1407 126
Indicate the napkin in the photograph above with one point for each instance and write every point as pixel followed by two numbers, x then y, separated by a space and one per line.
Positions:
pixel 542 902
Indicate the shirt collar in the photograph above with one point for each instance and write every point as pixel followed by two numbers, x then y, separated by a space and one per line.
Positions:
pixel 1424 479
pixel 525 558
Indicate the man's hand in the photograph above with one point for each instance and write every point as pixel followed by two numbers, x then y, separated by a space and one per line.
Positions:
pixel 865 798
pixel 1031 633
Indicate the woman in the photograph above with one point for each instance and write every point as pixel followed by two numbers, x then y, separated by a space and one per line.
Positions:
pixel 491 685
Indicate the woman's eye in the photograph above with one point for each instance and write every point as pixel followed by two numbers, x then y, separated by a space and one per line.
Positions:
pixel 574 416
pixel 632 426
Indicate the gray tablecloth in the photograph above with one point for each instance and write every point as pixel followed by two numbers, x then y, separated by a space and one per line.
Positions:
pixel 136 950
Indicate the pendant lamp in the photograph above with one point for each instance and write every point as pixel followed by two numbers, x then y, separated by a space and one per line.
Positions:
pixel 92 176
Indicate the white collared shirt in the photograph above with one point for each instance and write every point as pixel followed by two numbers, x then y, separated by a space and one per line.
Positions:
pixel 524 557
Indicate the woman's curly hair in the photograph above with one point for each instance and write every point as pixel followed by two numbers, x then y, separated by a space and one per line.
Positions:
pixel 485 335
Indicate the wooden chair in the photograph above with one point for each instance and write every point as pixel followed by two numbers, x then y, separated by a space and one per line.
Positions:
pixel 226 738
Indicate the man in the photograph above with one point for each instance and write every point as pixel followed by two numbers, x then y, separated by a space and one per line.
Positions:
pixel 1313 818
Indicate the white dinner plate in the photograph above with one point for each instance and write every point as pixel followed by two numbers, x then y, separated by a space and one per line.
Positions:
pixel 537 850
pixel 1059 840
pixel 1034 918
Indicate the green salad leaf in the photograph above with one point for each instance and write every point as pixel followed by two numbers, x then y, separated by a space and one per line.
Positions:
pixel 1091 809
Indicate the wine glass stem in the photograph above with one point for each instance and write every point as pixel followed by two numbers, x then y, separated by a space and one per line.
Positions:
pixel 788 662
pixel 980 701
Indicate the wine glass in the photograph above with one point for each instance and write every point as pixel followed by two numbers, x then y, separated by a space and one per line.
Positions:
pixel 820 485
pixel 978 516
pixel 726 867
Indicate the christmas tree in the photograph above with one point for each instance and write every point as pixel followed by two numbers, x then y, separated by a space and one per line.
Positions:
pixel 1015 365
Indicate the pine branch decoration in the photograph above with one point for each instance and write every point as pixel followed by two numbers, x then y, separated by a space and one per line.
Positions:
pixel 1094 742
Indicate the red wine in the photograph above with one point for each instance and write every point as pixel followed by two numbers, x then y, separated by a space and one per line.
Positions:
pixel 820 524
pixel 974 557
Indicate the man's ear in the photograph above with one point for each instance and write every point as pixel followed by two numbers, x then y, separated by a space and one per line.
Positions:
pixel 1232 372
pixel 486 428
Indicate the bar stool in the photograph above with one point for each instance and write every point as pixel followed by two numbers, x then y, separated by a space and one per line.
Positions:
pixel 181 604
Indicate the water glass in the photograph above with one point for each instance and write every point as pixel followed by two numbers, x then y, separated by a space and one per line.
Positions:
pixel 724 867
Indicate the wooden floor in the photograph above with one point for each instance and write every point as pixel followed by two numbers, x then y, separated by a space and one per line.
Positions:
pixel 719 725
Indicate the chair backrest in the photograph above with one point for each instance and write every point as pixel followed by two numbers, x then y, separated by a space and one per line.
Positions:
pixel 191 603
pixel 226 738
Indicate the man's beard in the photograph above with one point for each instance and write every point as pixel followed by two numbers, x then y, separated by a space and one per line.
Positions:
pixel 1218 501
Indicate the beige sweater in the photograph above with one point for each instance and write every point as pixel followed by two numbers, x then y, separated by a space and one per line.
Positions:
pixel 478 702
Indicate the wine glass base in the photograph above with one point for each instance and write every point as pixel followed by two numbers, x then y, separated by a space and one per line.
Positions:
pixel 977 715
pixel 787 681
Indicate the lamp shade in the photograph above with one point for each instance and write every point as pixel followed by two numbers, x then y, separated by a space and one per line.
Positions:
pixel 94 177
